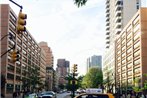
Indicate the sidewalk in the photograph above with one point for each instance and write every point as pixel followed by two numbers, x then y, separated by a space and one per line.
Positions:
pixel 11 96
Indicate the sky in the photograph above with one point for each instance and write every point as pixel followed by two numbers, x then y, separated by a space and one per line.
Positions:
pixel 72 33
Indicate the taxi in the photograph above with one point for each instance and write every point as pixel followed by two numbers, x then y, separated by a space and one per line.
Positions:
pixel 94 93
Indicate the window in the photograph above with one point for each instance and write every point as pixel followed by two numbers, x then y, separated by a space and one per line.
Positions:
pixel 24 52
pixel 12 26
pixel 24 46
pixel 10 88
pixel 12 17
pixel 18 78
pixel 24 38
pixel 10 68
pixel 19 41
pixel 137 4
pixel 136 62
pixel 18 70
pixel 10 76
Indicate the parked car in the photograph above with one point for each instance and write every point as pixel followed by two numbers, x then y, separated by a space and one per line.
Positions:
pixel 47 94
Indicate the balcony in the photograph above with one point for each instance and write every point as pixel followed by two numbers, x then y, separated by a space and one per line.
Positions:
pixel 108 37
pixel 107 19
pixel 107 46
pixel 107 15
pixel 118 19
pixel 118 25
pixel 118 7
pixel 118 13
pixel 107 10
pixel 107 32
pixel 107 1
pixel 107 6
pixel 107 28
pixel 117 31
pixel 107 42
pixel 118 2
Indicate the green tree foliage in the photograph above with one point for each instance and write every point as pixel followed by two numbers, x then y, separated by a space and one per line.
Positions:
pixel 80 2
pixel 69 78
pixel 93 78
pixel 32 78
pixel 145 83
pixel 136 87
pixel 78 82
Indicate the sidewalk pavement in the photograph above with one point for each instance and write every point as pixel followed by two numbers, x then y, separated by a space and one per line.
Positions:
pixel 11 96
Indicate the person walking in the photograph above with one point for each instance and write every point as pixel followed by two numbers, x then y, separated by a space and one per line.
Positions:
pixel 14 95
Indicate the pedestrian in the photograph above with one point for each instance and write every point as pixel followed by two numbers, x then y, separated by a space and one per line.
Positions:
pixel 14 95
pixel 2 95
pixel 128 95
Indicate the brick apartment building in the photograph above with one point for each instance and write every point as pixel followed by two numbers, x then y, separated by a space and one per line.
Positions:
pixel 30 53
pixel 131 52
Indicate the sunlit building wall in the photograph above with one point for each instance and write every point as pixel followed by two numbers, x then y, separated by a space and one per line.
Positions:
pixel 118 14
pixel 49 64
pixel 131 55
pixel 43 66
pixel 26 45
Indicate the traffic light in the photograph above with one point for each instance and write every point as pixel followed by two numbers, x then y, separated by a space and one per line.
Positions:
pixel 21 22
pixel 15 56
pixel 75 69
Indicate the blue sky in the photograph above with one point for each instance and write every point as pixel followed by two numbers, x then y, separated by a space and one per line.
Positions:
pixel 72 33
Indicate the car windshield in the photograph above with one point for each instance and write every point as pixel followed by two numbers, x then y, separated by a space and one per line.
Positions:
pixel 47 93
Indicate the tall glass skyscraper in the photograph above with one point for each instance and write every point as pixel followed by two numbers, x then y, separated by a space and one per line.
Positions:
pixel 94 61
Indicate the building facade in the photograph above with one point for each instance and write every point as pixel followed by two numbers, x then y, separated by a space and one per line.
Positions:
pixel 94 61
pixel 19 73
pixel 63 69
pixel 118 14
pixel 131 55
pixel 49 64
pixel 43 67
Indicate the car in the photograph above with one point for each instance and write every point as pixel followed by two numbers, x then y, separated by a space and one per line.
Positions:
pixel 47 94
pixel 33 95
pixel 94 95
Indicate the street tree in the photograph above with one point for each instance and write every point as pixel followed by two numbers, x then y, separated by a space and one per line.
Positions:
pixel 78 82
pixel 80 2
pixel 93 79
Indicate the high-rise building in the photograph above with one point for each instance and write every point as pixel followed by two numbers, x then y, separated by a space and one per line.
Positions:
pixel 49 64
pixel 63 69
pixel 131 55
pixel 19 73
pixel 118 14
pixel 94 61
pixel 49 54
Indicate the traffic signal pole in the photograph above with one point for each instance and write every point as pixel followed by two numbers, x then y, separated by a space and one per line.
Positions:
pixel 74 79
pixel 16 4
pixel 73 86
pixel 8 51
